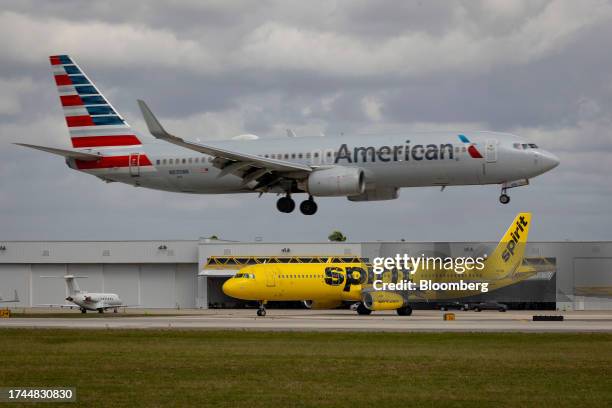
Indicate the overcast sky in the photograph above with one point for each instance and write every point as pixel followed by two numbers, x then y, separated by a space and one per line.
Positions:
pixel 216 69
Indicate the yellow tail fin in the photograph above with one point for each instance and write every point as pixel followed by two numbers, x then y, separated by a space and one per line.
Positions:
pixel 508 255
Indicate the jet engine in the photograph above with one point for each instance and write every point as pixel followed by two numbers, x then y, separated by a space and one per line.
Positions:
pixel 337 181
pixel 322 304
pixel 380 300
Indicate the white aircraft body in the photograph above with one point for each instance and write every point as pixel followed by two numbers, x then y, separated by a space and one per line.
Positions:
pixel 361 168
pixel 88 301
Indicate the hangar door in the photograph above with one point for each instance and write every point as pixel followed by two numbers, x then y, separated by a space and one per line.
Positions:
pixel 593 283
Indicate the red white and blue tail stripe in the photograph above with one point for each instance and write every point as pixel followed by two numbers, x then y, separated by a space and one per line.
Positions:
pixel 92 121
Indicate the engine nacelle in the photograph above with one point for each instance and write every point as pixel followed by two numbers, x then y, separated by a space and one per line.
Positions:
pixel 319 305
pixel 337 181
pixel 379 300
pixel 377 194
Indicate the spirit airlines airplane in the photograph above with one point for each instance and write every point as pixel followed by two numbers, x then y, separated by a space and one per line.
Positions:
pixel 328 285
pixel 361 168
pixel 88 301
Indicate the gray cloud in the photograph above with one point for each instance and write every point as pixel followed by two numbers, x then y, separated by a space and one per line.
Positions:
pixel 217 69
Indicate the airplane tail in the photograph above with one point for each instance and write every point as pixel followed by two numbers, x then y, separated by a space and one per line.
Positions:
pixel 92 121
pixel 72 285
pixel 509 253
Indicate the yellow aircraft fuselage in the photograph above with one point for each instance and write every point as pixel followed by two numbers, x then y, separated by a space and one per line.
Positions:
pixel 327 285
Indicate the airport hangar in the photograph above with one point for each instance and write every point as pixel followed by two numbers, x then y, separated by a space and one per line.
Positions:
pixel 189 273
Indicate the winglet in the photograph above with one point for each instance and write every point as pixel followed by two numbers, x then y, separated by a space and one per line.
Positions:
pixel 155 128
pixel 291 133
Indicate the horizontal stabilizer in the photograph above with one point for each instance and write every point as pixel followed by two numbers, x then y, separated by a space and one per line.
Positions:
pixel 66 153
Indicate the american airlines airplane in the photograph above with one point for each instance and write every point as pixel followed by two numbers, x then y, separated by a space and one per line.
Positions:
pixel 360 168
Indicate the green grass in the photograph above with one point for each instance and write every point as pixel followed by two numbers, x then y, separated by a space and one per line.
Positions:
pixel 277 369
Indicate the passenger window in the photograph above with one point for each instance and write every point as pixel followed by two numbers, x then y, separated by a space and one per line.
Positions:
pixel 308 155
pixel 170 161
pixel 293 155
pixel 157 161
pixel 316 155
pixel 164 161
pixel 184 161
pixel 190 160
pixel 286 156
pixel 300 156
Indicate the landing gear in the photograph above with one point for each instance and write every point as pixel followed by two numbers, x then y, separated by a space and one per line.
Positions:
pixel 504 198
pixel 404 311
pixel 100 310
pixel 362 310
pixel 115 310
pixel 285 204
pixel 308 207
pixel 261 312
pixel 83 310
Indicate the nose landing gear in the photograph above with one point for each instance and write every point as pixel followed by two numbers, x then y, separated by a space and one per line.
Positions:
pixel 261 312
pixel 504 198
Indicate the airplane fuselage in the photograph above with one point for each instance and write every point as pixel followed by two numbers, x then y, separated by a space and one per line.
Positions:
pixel 388 162
pixel 95 301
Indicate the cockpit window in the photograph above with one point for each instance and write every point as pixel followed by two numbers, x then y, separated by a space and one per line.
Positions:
pixel 244 276
pixel 525 146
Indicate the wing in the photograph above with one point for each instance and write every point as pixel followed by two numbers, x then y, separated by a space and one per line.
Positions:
pixel 123 306
pixel 56 305
pixel 266 172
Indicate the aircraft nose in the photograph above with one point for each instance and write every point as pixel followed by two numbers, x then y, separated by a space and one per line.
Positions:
pixel 230 288
pixel 549 161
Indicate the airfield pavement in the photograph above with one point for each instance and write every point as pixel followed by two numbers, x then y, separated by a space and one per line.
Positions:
pixel 313 320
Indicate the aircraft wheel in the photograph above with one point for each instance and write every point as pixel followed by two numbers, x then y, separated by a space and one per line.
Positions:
pixel 83 310
pixel 261 312
pixel 443 308
pixel 504 198
pixel 404 311
pixel 477 309
pixel 100 310
pixel 285 204
pixel 308 207
pixel 362 310
pixel 115 310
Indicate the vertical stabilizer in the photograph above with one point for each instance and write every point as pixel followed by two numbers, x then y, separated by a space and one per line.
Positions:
pixel 509 253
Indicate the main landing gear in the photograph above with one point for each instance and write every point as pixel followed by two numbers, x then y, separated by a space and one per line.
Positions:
pixel 286 205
